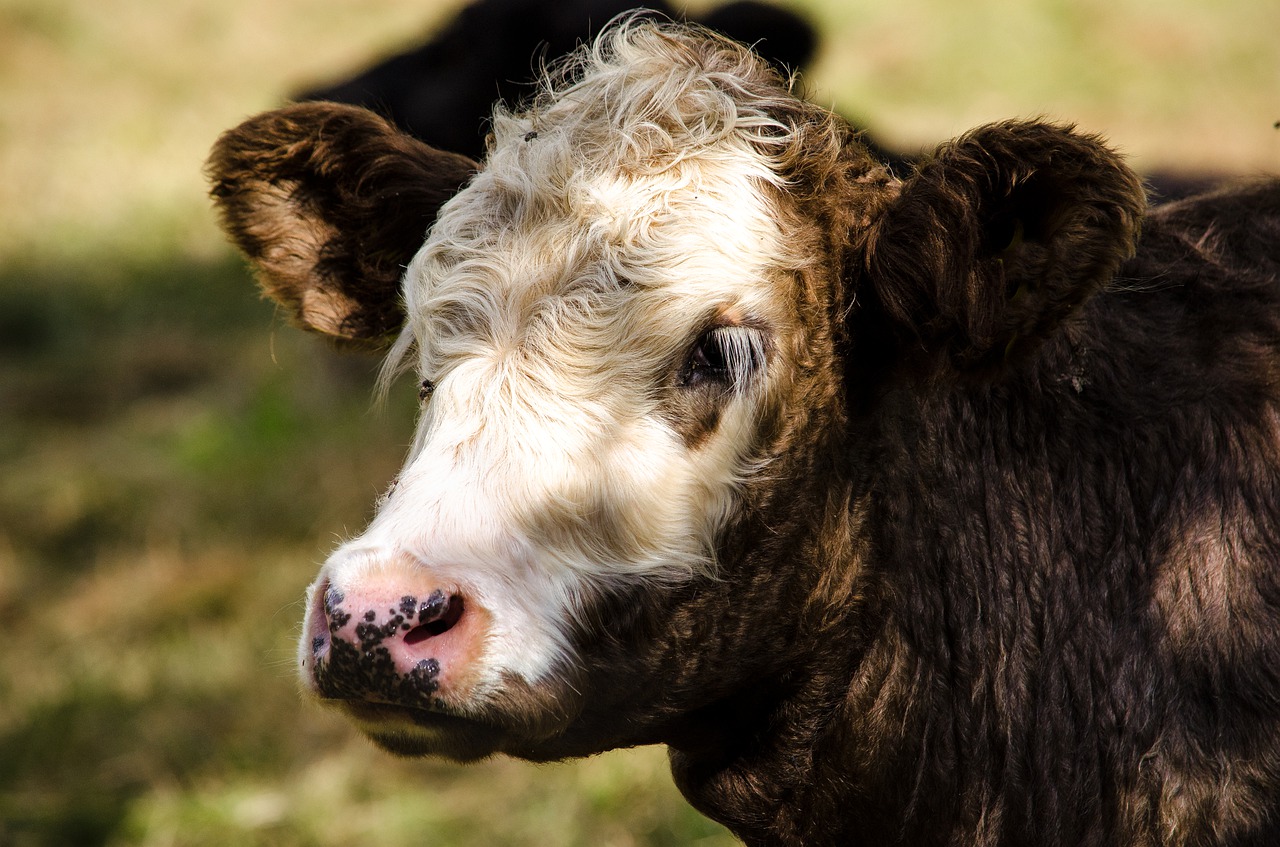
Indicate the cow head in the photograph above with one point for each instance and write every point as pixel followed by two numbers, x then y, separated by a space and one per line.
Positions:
pixel 636 494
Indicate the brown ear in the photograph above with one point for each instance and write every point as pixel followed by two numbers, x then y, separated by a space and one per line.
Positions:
pixel 997 238
pixel 330 202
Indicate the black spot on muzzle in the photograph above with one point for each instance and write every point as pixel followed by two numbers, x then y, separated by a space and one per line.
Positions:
pixel 366 671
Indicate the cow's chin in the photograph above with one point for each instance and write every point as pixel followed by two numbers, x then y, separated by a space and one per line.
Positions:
pixel 528 727
pixel 417 733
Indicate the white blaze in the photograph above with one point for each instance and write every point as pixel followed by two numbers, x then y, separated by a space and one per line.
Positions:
pixel 552 306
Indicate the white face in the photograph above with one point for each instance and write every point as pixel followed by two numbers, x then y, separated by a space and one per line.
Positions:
pixel 598 349
pixel 607 324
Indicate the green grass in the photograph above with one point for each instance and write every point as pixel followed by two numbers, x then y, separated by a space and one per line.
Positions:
pixel 174 461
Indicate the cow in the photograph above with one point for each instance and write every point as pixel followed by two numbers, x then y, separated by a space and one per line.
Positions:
pixel 940 509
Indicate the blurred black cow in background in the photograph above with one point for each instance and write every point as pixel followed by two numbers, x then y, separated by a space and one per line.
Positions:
pixel 443 91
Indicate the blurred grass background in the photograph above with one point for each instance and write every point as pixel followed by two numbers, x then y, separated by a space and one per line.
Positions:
pixel 174 463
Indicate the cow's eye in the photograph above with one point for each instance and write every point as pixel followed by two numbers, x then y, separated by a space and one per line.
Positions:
pixel 724 355
pixel 425 390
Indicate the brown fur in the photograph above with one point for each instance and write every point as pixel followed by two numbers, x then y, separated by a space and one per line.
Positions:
pixel 283 178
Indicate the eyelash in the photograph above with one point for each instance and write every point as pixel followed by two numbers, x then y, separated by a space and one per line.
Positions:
pixel 728 355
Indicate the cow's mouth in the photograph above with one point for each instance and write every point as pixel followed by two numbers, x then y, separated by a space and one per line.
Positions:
pixel 407 731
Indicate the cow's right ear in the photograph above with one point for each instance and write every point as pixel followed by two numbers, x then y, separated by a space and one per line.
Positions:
pixel 996 240
pixel 329 203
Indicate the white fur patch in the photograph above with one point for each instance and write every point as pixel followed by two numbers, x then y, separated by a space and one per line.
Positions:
pixel 553 306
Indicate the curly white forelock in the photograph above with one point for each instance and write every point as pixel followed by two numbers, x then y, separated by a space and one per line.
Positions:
pixel 625 133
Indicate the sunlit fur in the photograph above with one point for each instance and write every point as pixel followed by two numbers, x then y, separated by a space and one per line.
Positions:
pixel 554 306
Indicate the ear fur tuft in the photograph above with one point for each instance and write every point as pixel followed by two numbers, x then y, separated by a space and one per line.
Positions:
pixel 998 238
pixel 329 203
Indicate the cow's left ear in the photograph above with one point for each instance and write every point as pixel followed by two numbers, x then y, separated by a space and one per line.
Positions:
pixel 999 237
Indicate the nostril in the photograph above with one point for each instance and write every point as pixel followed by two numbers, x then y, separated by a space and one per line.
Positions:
pixel 447 613
pixel 322 608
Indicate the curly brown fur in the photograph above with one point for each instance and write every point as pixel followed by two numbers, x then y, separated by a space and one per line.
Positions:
pixel 283 178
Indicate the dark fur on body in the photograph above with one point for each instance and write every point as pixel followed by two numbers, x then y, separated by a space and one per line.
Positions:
pixel 1013 575
pixel 1077 567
